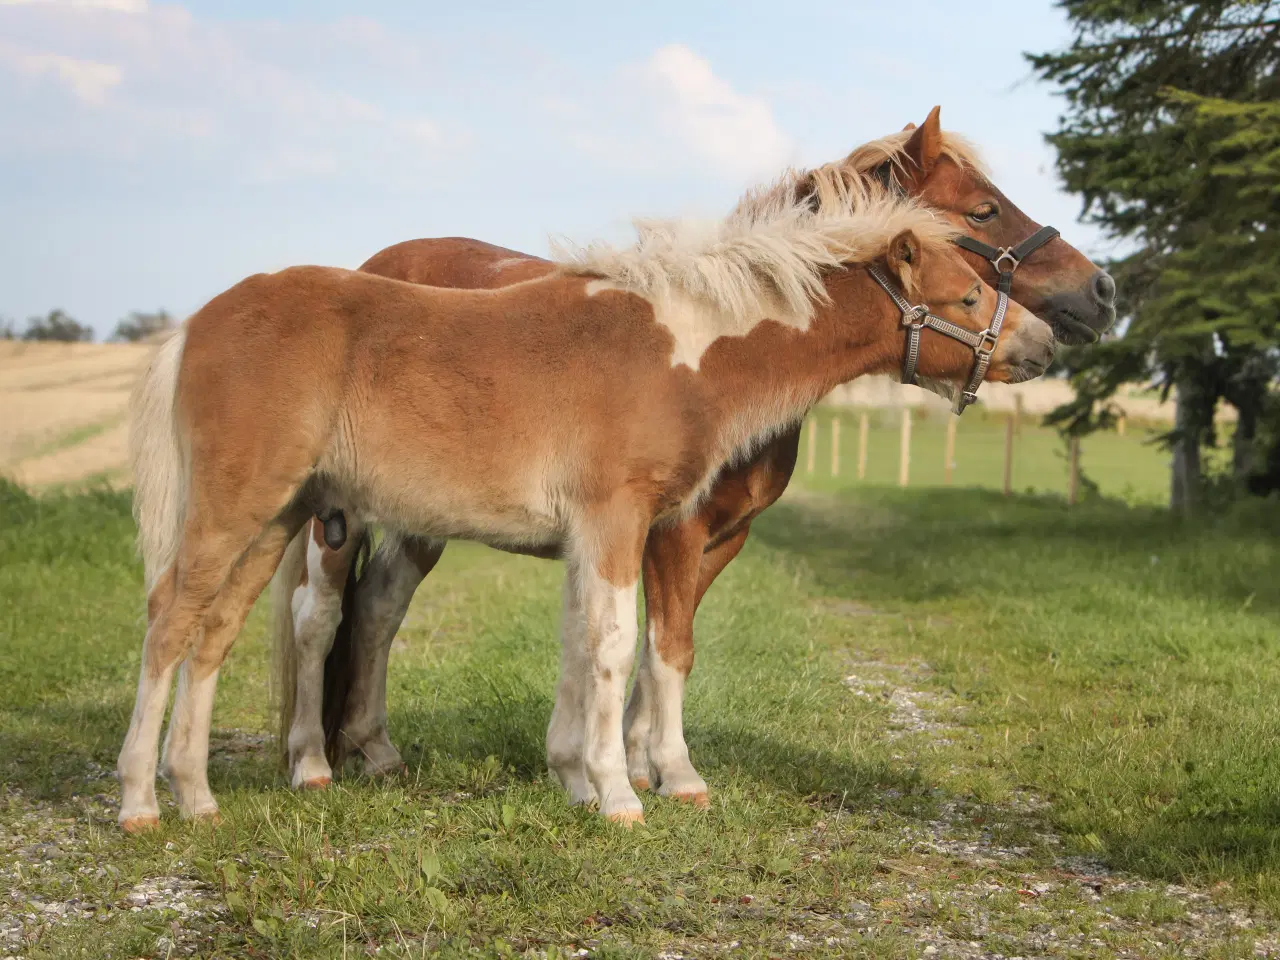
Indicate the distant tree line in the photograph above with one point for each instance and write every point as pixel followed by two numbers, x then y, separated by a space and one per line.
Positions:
pixel 58 326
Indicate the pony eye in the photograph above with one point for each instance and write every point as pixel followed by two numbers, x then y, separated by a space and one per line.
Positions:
pixel 983 213
pixel 971 300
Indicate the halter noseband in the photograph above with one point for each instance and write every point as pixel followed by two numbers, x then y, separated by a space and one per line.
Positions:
pixel 916 318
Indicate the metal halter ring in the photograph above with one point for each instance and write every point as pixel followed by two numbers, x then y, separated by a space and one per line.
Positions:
pixel 1005 254
pixel 916 316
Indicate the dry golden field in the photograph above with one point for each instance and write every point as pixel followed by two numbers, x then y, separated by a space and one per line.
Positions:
pixel 65 410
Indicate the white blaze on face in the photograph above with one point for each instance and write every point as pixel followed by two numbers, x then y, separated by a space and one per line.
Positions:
pixel 694 324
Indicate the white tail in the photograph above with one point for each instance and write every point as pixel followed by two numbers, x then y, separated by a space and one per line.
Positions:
pixel 159 460
pixel 284 655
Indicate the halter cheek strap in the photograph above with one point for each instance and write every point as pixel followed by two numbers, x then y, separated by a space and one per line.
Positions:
pixel 1007 259
pixel 916 318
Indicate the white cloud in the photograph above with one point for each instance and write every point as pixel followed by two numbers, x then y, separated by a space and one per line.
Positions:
pixel 119 6
pixel 669 115
pixel 257 100
pixel 89 80
pixel 733 130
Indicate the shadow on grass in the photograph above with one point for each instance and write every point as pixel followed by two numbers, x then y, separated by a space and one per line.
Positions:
pixel 889 545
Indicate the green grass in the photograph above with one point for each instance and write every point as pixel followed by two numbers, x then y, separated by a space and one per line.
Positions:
pixel 1095 683
pixel 1131 467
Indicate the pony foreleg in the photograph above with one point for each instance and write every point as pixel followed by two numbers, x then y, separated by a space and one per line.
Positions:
pixel 317 610
pixel 607 585
pixel 382 599
pixel 671 559
pixel 655 721
pixel 568 723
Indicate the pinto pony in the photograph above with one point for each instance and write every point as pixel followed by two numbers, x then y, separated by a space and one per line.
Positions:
pixel 333 632
pixel 566 414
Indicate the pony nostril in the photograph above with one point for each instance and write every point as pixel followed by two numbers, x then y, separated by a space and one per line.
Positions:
pixel 1104 288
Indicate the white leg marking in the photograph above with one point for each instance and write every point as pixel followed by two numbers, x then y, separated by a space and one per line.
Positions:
pixel 565 732
pixel 317 610
pixel 637 723
pixel 137 763
pixel 186 746
pixel 668 752
pixel 610 644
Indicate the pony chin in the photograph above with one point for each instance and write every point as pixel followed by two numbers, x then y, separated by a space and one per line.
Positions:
pixel 946 389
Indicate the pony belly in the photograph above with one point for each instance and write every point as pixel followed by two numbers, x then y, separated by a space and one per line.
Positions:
pixel 427 498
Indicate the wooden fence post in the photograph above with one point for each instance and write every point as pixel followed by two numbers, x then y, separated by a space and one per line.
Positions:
pixel 835 446
pixel 1120 424
pixel 949 454
pixel 1073 476
pixel 863 427
pixel 904 451
pixel 812 440
pixel 1009 426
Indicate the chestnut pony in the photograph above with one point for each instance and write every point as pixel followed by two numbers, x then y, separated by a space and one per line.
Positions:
pixel 328 711
pixel 569 414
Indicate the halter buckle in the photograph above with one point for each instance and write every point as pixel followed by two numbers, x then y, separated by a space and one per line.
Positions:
pixel 1003 254
pixel 915 316
pixel 988 345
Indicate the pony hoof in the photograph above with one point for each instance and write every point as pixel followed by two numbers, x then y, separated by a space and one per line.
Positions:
pixel 640 783
pixel 699 799
pixel 140 824
pixel 316 783
pixel 212 817
pixel 627 818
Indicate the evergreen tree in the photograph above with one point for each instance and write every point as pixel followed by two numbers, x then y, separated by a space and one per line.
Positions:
pixel 1172 138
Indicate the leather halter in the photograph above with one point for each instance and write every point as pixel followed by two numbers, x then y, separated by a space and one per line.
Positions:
pixel 1004 259
pixel 916 318
pixel 999 257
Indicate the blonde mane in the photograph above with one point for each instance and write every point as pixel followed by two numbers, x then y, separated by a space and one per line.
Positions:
pixel 869 157
pixel 770 252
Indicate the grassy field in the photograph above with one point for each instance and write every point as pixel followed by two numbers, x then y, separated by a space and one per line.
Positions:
pixel 1132 467
pixel 936 722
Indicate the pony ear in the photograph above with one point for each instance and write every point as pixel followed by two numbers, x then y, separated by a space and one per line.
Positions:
pixel 904 258
pixel 924 146
pixel 909 126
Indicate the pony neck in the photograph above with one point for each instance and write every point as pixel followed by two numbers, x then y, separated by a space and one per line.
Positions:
pixel 768 380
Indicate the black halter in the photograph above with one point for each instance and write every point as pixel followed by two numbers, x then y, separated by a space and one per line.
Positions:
pixel 916 318
pixel 1007 259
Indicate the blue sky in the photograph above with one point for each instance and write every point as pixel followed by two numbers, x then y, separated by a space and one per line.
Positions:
pixel 152 154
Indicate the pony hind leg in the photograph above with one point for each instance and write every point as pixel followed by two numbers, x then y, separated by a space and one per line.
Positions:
pixel 315 606
pixel 382 598
pixel 168 629
pixel 176 610
pixel 186 749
